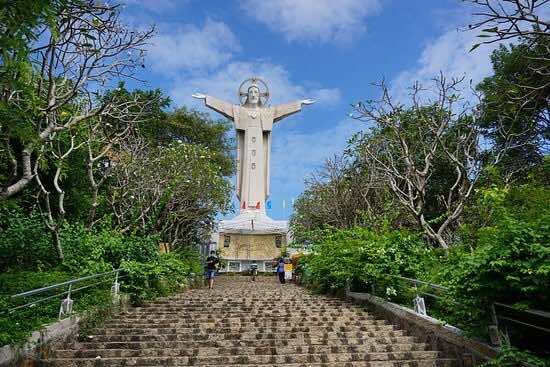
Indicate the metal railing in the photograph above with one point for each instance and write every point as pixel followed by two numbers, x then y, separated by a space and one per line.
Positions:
pixel 66 306
pixel 534 319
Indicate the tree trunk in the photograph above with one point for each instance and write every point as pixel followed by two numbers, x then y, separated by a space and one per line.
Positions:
pixel 24 180
pixel 57 243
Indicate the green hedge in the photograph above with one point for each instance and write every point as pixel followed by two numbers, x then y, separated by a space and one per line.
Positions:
pixel 363 255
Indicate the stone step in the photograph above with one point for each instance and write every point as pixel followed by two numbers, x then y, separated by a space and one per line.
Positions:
pixel 243 336
pixel 252 297
pixel 382 341
pixel 244 323
pixel 222 324
pixel 155 362
pixel 225 310
pixel 242 318
pixel 264 300
pixel 253 313
pixel 268 302
pixel 249 350
pixel 440 362
pixel 282 330
pixel 257 359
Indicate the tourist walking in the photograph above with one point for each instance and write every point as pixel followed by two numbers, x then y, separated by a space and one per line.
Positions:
pixel 212 262
pixel 281 270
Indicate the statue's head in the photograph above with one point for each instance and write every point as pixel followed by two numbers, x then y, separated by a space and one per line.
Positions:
pixel 253 96
pixel 253 92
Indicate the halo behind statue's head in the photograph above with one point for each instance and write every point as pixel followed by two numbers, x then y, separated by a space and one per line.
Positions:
pixel 256 82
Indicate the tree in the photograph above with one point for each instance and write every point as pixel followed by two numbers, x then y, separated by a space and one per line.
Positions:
pixel 515 105
pixel 55 75
pixel 345 192
pixel 408 143
pixel 514 110
pixel 18 23
pixel 84 50
pixel 104 135
pixel 503 20
pixel 166 174
pixel 173 191
pixel 198 128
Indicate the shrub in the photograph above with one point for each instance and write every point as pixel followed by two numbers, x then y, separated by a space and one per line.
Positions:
pixel 25 242
pixel 103 249
pixel 512 357
pixel 511 264
pixel 363 255
pixel 506 260
pixel 169 273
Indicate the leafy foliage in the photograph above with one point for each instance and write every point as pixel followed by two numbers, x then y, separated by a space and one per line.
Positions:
pixel 510 263
pixel 173 191
pixel 364 255
pixel 29 262
pixel 24 241
pixel 515 105
pixel 169 273
pixel 17 326
pixel 512 357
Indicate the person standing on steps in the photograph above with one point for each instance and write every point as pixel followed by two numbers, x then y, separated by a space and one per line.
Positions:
pixel 212 262
pixel 281 270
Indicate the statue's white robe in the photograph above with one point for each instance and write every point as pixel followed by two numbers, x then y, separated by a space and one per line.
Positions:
pixel 253 127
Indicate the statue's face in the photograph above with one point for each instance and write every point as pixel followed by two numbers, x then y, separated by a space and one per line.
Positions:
pixel 253 95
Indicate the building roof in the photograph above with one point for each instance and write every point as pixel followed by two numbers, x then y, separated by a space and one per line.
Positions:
pixel 253 221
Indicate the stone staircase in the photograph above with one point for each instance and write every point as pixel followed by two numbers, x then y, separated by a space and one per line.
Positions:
pixel 245 323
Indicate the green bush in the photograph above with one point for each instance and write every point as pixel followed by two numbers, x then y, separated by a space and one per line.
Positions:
pixel 169 273
pixel 162 275
pixel 512 357
pixel 364 255
pixel 103 249
pixel 501 254
pixel 25 242
pixel 509 264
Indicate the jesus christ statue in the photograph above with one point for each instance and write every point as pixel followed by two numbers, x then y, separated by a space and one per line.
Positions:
pixel 253 121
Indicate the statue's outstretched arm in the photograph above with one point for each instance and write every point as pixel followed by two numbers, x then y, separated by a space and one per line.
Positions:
pixel 223 107
pixel 287 109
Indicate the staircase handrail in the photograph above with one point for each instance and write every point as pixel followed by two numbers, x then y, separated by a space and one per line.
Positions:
pixel 66 305
pixel 542 317
pixel 419 282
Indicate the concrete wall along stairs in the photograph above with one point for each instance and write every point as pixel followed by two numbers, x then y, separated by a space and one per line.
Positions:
pixel 245 323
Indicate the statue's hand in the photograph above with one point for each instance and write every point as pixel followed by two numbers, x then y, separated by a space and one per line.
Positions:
pixel 199 96
pixel 308 101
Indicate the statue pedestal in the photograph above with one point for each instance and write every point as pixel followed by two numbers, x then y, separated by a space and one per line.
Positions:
pixel 251 237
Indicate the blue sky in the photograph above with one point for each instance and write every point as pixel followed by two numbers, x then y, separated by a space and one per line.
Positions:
pixel 323 49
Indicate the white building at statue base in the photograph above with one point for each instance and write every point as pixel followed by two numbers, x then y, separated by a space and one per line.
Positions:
pixel 251 237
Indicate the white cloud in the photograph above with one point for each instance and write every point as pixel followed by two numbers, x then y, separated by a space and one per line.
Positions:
pixel 313 20
pixel 450 54
pixel 224 82
pixel 190 48
pixel 296 154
